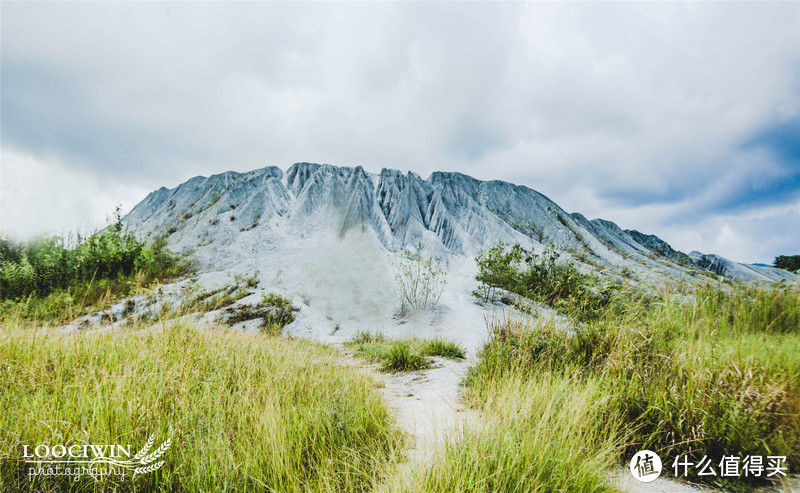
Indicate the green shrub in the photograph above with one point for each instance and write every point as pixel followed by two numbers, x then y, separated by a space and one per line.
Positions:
pixel 543 278
pixel 106 265
pixel 282 310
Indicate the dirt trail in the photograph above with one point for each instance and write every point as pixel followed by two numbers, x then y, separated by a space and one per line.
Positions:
pixel 427 405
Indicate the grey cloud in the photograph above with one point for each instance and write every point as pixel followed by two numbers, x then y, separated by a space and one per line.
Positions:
pixel 603 107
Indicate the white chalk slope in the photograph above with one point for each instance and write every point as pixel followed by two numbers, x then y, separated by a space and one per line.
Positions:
pixel 325 235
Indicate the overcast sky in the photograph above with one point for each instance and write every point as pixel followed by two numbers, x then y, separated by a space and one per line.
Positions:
pixel 678 119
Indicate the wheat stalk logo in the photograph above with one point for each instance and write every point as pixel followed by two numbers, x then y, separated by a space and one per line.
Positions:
pixel 143 462
pixel 145 449
pixel 147 463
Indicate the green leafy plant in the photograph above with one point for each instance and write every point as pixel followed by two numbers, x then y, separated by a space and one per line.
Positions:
pixel 106 265
pixel 540 277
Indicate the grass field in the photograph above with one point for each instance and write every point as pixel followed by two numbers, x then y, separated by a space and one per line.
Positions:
pixel 244 412
pixel 713 374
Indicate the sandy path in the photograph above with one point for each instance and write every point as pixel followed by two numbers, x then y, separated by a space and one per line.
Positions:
pixel 427 406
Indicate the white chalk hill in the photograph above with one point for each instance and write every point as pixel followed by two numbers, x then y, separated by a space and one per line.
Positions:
pixel 326 236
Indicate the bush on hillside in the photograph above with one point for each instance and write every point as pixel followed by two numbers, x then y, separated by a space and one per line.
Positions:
pixel 540 277
pixel 105 264
pixel 788 262
pixel 420 279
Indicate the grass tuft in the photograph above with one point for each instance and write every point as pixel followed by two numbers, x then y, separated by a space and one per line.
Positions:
pixel 407 354
pixel 401 358
pixel 443 348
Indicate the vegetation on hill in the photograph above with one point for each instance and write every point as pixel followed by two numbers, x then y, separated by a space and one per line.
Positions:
pixel 48 279
pixel 788 262
pixel 542 278
pixel 708 372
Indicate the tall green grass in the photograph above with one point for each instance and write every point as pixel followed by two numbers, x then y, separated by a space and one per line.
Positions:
pixel 545 434
pixel 714 374
pixel 245 412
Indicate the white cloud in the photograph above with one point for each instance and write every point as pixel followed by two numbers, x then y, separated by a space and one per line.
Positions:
pixel 44 196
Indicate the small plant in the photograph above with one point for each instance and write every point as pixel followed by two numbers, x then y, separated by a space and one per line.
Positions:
pixel 215 221
pixel 256 218
pixel 275 311
pixel 283 309
pixel 421 281
pixel 401 358
pixel 443 348
pixel 233 218
pixel 251 281
pixel 130 305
